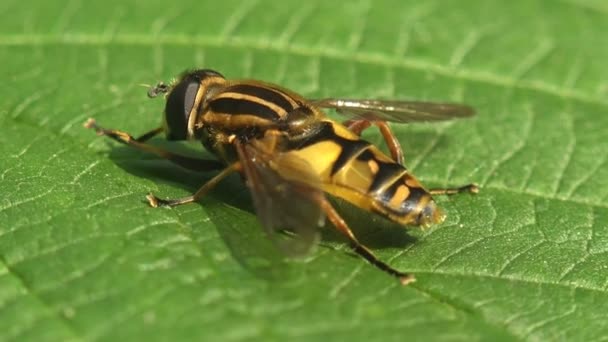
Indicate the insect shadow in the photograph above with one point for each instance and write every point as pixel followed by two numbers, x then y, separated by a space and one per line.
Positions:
pixel 249 246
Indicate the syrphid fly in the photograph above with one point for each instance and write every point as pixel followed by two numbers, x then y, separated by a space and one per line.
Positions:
pixel 291 155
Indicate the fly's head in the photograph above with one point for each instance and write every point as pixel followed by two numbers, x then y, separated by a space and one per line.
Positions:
pixel 184 99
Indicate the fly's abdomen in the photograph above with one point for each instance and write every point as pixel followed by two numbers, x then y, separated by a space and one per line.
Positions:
pixel 358 172
pixel 404 200
pixel 389 188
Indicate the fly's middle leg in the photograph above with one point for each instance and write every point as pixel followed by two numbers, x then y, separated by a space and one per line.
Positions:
pixel 202 191
pixel 358 126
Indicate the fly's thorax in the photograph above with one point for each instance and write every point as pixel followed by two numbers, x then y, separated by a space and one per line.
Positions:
pixel 244 105
pixel 219 143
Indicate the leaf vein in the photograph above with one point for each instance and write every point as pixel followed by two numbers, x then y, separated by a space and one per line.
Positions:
pixel 40 299
pixel 325 51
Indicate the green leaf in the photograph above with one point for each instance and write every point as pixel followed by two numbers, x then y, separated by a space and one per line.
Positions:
pixel 83 257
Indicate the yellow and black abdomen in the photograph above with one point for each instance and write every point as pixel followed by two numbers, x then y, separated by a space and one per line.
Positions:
pixel 358 172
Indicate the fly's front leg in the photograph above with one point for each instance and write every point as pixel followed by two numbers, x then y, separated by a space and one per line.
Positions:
pixel 358 126
pixel 148 135
pixel 138 143
pixel 202 191
pixel 358 248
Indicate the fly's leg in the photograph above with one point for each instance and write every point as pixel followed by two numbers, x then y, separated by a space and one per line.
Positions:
pixel 470 188
pixel 358 126
pixel 183 161
pixel 360 249
pixel 202 191
pixel 148 135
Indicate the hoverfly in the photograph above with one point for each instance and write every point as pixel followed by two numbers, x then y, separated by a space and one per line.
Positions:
pixel 290 154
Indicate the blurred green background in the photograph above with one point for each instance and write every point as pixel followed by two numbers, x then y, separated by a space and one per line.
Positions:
pixel 82 256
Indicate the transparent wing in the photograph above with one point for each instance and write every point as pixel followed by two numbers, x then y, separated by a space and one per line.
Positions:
pixel 285 194
pixel 395 111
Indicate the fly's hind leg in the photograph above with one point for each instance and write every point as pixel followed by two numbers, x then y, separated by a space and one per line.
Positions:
pixel 138 143
pixel 358 126
pixel 470 188
pixel 202 191
pixel 360 249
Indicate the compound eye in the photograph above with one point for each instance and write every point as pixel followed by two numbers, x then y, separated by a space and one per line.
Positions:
pixel 179 105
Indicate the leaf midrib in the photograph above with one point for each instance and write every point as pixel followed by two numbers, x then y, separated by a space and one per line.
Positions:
pixel 381 59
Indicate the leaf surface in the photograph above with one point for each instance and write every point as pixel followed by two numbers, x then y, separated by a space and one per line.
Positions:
pixel 83 257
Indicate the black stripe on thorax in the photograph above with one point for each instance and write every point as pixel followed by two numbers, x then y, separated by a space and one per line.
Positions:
pixel 266 94
pixel 242 107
